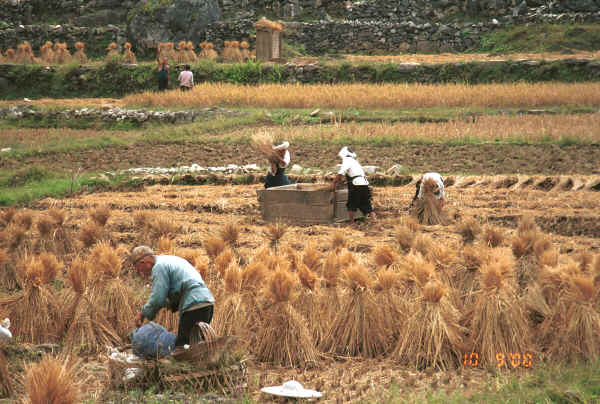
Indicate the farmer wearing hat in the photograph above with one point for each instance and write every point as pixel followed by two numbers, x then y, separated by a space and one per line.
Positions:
pixel 359 193
pixel 176 284
pixel 439 193
pixel 276 175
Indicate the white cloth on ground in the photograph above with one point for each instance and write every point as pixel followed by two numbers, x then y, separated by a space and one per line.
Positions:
pixel 352 168
pixel 438 179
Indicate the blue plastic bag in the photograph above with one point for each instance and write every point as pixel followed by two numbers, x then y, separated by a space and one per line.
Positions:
pixel 152 341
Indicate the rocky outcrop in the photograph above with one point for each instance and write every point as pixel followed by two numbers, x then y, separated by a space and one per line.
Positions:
pixel 154 21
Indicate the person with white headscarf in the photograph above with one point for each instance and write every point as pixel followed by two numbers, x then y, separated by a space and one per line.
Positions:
pixel 276 175
pixel 440 194
pixel 359 193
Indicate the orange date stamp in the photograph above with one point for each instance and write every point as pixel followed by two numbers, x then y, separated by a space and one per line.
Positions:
pixel 510 359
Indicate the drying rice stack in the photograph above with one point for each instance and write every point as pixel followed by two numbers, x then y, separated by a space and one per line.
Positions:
pixel 25 54
pixel 469 229
pixel 432 335
pixel 404 237
pixel 181 52
pixel 227 51
pixel 394 307
pixel 61 53
pixel 384 256
pixel 113 54
pixel 46 53
pixel 113 294
pixel 10 55
pixel 245 52
pixel 128 55
pixel 6 388
pixel 230 314
pixel 80 55
pixel 283 336
pixel 8 276
pixel 35 312
pixel 89 331
pixel 498 320
pixel 210 52
pixel 235 52
pixel 359 327
pixel 466 276
pixel 191 54
pixel 52 381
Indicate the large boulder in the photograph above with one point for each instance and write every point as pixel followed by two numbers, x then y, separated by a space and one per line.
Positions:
pixel 154 21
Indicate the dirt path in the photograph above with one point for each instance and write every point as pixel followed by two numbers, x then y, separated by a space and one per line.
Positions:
pixel 473 159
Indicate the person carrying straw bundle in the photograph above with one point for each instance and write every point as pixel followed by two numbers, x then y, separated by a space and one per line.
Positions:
pixel 359 192
pixel 176 284
pixel 429 200
pixel 278 156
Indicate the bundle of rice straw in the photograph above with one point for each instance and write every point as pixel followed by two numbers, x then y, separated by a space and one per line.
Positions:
pixel 231 314
pixel 181 52
pixel 235 52
pixel 80 55
pixel 427 209
pixel 469 228
pixel 8 276
pixel 113 54
pixel 2 58
pixel 168 319
pixel 191 54
pixel 227 51
pixel 493 236
pixel 35 311
pixel 384 256
pixel 6 389
pixel 10 55
pixel 573 321
pixel 213 247
pixel 53 381
pixel 245 50
pixel 211 53
pixel 312 258
pixel 88 332
pixel 404 236
pixel 128 55
pixel 110 290
pixel 432 335
pixel 308 302
pixel 46 53
pixel 24 54
pixel 359 328
pixel 283 336
pixel 466 276
pixel 387 296
pixel 223 261
pixel 498 319
pixel 262 142
pixel 61 54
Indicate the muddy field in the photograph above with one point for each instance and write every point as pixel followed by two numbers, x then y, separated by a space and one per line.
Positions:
pixel 487 159
pixel 565 208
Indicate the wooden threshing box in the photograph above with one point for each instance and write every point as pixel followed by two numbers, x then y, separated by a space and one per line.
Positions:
pixel 304 204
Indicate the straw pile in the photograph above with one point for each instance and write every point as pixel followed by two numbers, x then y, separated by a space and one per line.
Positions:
pixel 245 52
pixel 61 54
pixel 6 388
pixel 111 292
pixel 468 229
pixel 46 53
pixel 113 54
pixel 52 381
pixel 235 52
pixel 498 320
pixel 181 52
pixel 25 54
pixel 35 311
pixel 227 51
pixel 264 24
pixel 231 314
pixel 190 53
pixel 283 337
pixel 128 55
pixel 88 331
pixel 359 328
pixel 80 55
pixel 427 209
pixel 8 276
pixel 10 55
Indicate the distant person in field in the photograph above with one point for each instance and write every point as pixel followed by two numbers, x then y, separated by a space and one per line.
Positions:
pixel 359 192
pixel 177 285
pixel 163 74
pixel 439 193
pixel 186 79
pixel 276 175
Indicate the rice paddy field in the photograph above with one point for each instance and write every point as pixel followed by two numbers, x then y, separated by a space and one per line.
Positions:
pixel 502 304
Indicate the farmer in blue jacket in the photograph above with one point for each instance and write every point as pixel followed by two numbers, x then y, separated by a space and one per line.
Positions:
pixel 176 284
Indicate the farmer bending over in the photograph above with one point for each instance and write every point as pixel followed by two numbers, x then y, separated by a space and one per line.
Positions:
pixel 176 284
pixel 359 193
pixel 439 194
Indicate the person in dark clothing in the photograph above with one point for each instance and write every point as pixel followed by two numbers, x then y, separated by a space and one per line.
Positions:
pixel 276 175
pixel 359 192
pixel 163 74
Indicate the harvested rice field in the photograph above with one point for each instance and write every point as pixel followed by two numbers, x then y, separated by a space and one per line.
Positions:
pixel 352 311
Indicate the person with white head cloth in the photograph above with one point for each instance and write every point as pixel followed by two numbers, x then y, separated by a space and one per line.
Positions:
pixel 440 194
pixel 359 193
pixel 276 175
